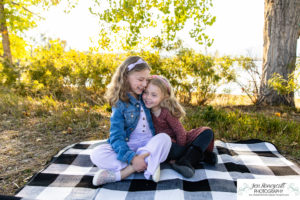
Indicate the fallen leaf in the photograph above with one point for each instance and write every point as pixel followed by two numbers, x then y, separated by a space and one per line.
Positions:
pixel 277 114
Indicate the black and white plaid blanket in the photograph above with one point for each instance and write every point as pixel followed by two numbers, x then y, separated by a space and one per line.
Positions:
pixel 69 175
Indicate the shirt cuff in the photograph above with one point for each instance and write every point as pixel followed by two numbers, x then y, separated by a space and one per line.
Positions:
pixel 129 156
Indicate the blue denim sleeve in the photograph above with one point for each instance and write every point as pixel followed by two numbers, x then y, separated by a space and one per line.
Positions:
pixel 117 137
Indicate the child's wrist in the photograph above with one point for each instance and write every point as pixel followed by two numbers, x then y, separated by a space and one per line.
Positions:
pixel 132 160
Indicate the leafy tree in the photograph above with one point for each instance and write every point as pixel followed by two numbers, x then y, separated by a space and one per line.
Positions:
pixel 251 85
pixel 286 86
pixel 281 31
pixel 156 23
pixel 16 17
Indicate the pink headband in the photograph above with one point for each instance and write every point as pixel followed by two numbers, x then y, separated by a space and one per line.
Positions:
pixel 163 80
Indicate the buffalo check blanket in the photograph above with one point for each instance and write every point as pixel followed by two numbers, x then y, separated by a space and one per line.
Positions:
pixel 69 175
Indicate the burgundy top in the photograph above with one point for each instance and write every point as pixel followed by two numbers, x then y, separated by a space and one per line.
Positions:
pixel 167 123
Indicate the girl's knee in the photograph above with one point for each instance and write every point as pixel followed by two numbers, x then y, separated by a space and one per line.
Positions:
pixel 93 160
pixel 165 139
pixel 95 157
pixel 208 133
pixel 98 155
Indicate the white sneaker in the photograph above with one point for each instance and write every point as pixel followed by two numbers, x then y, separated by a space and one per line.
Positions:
pixel 104 176
pixel 156 175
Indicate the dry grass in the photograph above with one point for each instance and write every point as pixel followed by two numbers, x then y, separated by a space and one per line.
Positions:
pixel 230 100
pixel 297 102
pixel 235 100
pixel 32 133
pixel 26 146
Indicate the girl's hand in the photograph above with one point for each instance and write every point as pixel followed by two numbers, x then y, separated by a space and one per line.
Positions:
pixel 138 162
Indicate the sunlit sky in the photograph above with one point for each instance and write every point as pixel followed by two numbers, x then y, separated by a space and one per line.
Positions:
pixel 238 29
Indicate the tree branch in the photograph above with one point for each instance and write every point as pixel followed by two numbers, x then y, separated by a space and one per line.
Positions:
pixel 14 3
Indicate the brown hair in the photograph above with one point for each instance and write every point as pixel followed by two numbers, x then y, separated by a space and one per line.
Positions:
pixel 119 85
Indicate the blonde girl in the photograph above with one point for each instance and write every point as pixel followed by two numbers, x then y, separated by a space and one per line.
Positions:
pixel 188 147
pixel 132 144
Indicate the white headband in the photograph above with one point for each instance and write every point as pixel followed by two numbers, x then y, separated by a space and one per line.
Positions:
pixel 131 66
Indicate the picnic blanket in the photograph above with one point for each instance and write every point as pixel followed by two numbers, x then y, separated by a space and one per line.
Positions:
pixel 69 175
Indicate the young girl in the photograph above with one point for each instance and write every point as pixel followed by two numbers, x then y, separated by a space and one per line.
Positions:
pixel 132 144
pixel 188 148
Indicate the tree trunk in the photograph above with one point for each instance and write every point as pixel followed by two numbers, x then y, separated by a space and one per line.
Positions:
pixel 4 32
pixel 281 31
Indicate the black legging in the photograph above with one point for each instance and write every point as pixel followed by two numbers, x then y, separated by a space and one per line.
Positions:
pixel 202 141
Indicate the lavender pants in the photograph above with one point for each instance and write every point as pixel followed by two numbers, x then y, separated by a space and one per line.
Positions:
pixel 104 157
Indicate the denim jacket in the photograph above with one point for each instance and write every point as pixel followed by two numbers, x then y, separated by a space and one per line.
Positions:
pixel 123 121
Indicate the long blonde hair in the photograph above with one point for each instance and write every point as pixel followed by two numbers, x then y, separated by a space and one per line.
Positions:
pixel 170 102
pixel 119 85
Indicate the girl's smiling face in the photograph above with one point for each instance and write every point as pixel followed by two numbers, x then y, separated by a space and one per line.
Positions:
pixel 152 96
pixel 138 81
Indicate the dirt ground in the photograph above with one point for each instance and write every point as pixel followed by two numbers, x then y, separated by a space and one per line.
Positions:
pixel 26 147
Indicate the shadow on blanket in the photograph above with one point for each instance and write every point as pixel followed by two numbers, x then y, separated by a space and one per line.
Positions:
pixel 69 175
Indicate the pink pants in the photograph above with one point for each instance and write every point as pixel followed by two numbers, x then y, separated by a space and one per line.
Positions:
pixel 104 157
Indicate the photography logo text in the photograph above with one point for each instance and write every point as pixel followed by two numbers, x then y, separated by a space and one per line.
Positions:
pixel 261 188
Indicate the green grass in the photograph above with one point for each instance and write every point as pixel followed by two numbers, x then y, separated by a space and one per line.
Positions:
pixel 78 116
pixel 52 114
pixel 237 125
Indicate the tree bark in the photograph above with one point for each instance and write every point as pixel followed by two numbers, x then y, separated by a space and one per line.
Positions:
pixel 4 32
pixel 281 31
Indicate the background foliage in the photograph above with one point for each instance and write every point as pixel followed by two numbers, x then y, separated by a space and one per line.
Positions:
pixel 129 22
pixel 53 71
pixel 51 97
